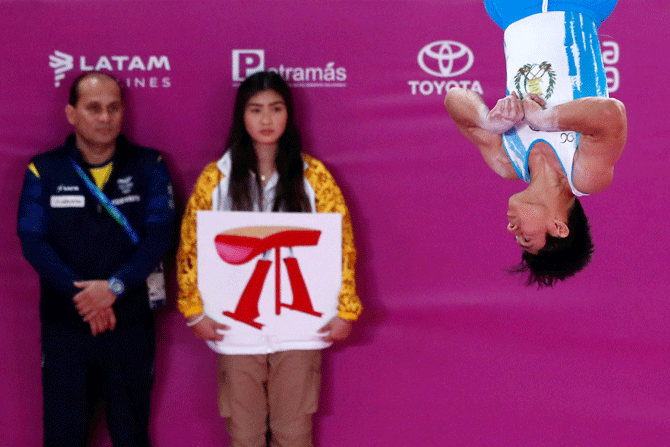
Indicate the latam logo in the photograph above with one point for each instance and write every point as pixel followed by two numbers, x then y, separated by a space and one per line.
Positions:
pixel 62 62
pixel 247 62
pixel 444 59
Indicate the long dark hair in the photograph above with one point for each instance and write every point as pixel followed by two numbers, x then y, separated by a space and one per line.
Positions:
pixel 290 191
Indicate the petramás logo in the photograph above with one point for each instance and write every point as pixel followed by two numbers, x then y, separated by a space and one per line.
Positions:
pixel 444 59
pixel 247 62
pixel 136 67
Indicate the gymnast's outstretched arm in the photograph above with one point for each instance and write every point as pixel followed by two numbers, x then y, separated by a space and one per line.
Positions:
pixel 601 123
pixel 484 127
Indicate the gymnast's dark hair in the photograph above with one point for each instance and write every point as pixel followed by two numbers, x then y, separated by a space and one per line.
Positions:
pixel 74 88
pixel 290 192
pixel 560 258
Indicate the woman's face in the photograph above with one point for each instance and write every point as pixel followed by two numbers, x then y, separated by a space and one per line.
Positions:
pixel 265 117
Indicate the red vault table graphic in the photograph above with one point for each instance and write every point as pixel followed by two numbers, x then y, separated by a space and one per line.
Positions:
pixel 236 251
pixel 240 245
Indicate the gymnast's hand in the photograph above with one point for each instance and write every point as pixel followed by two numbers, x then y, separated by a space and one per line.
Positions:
pixel 537 116
pixel 338 329
pixel 505 115
pixel 206 328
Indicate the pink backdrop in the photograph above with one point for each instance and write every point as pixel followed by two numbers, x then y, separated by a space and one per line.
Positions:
pixel 450 350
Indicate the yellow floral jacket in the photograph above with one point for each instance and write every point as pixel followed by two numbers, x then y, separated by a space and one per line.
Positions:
pixel 328 199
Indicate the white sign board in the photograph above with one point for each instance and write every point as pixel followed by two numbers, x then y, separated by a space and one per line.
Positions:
pixel 244 256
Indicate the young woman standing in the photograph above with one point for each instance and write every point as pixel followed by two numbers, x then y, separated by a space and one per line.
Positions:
pixel 266 386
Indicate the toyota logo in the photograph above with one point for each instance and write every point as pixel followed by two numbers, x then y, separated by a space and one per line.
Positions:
pixel 445 58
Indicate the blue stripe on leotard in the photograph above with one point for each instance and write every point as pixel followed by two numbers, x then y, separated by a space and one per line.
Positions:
pixel 514 144
pixel 506 12
pixel 587 68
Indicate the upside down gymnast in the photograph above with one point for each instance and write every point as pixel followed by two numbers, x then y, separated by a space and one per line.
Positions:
pixel 557 129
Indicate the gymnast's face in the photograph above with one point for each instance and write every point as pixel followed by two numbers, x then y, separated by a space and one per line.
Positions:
pixel 529 223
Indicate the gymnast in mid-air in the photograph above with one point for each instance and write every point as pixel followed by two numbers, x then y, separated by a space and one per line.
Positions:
pixel 557 129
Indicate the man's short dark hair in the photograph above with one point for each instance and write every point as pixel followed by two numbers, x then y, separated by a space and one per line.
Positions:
pixel 560 258
pixel 74 89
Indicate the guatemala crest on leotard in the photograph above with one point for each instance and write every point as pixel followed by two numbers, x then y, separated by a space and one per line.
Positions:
pixel 535 78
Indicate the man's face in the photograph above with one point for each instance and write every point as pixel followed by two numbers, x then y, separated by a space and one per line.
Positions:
pixel 530 223
pixel 529 232
pixel 98 113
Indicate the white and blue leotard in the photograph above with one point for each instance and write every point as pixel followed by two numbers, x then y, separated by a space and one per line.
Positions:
pixel 554 53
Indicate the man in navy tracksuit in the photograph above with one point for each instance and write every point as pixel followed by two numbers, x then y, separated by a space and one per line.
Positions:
pixel 96 216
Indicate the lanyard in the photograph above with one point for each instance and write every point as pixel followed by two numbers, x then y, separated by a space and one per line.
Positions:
pixel 106 203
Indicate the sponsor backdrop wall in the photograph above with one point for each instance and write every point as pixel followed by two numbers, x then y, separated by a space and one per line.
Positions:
pixel 451 349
